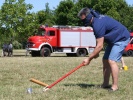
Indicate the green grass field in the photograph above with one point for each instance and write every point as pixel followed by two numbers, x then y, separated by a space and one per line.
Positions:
pixel 16 71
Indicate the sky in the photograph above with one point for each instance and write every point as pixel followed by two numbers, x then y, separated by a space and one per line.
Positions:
pixel 40 4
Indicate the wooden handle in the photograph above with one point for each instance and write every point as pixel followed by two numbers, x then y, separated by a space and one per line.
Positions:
pixel 38 82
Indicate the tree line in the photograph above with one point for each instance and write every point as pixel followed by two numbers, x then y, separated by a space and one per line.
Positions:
pixel 17 22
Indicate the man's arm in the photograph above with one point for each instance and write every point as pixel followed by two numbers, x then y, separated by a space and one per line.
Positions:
pixel 99 46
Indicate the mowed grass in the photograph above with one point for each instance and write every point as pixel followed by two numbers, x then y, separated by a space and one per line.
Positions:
pixel 16 71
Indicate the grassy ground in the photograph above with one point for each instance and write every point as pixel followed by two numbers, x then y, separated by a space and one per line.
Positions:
pixel 16 71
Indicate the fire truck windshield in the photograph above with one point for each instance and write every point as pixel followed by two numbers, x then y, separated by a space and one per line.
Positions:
pixel 41 32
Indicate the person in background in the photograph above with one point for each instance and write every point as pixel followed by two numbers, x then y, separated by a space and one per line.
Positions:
pixel 10 49
pixel 123 63
pixel 122 60
pixel 131 41
pixel 4 49
pixel 27 50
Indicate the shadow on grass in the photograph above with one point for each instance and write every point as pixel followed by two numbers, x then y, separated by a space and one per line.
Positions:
pixel 63 55
pixel 82 85
pixel 16 56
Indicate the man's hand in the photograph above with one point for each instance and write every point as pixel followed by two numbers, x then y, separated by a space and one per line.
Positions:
pixel 86 61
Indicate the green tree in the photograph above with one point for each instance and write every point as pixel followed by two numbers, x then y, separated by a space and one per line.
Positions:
pixel 72 15
pixel 46 16
pixel 17 21
pixel 62 12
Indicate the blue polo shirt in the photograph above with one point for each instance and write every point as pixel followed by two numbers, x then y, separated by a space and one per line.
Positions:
pixel 112 30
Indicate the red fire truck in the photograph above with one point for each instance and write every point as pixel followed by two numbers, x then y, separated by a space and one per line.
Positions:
pixel 72 40
pixel 129 49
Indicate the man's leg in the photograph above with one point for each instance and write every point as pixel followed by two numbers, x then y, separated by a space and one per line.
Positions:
pixel 114 71
pixel 4 53
pixel 106 73
pixel 106 66
pixel 114 57
pixel 8 52
pixel 12 52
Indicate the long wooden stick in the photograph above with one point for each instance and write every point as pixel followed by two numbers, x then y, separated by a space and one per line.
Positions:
pixel 38 82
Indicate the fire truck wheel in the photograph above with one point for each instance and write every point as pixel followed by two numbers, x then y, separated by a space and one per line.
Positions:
pixel 129 53
pixel 81 53
pixel 45 52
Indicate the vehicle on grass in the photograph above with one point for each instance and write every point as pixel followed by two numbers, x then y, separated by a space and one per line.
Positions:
pixel 72 40
pixel 129 48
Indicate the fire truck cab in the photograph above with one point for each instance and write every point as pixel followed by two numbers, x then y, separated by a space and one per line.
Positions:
pixel 129 48
pixel 72 40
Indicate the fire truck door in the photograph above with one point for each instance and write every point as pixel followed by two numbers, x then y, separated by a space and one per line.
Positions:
pixel 52 38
